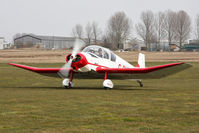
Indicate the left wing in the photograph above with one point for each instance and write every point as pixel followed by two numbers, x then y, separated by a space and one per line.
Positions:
pixel 135 70
pixel 154 72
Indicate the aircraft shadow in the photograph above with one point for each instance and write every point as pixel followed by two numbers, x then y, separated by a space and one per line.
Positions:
pixel 34 87
pixel 118 87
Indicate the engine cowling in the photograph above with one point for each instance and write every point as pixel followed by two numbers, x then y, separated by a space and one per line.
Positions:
pixel 78 61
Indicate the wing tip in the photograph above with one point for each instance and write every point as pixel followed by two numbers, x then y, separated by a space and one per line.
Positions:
pixel 23 66
pixel 13 64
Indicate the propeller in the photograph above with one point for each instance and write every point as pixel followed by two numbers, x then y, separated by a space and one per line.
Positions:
pixel 64 72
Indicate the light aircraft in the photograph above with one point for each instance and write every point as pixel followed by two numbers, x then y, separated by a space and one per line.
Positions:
pixel 96 62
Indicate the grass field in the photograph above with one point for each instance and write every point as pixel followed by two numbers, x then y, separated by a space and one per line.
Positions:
pixel 33 103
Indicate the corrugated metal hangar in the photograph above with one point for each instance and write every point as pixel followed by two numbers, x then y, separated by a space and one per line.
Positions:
pixel 48 42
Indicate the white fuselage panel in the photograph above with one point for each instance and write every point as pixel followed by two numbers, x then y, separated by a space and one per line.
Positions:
pixel 94 62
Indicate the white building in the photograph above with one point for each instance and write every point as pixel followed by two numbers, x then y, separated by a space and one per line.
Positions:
pixel 134 44
pixel 1 43
pixel 7 45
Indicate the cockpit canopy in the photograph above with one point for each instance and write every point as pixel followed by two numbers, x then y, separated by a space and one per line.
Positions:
pixel 100 52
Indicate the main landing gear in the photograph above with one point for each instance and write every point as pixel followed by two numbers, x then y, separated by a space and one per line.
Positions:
pixel 67 83
pixel 107 84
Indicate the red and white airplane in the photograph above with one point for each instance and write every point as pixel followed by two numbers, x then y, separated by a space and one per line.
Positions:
pixel 96 62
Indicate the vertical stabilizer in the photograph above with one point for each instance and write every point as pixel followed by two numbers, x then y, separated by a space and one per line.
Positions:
pixel 141 61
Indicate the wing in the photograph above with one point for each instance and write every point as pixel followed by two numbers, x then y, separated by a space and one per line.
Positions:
pixel 52 72
pixel 144 73
pixel 115 73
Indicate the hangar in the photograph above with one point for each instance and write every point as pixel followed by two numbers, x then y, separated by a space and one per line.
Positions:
pixel 48 42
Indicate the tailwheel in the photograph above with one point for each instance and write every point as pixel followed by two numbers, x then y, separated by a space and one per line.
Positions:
pixel 140 83
pixel 67 83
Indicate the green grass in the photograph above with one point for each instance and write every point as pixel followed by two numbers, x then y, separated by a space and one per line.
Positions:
pixel 33 103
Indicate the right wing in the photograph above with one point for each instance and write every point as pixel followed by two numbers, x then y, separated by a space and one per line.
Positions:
pixel 51 72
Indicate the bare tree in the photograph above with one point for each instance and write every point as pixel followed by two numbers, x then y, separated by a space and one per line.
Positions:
pixel 77 31
pixel 96 31
pixel 160 28
pixel 145 29
pixel 170 26
pixel 89 33
pixel 183 26
pixel 197 27
pixel 119 29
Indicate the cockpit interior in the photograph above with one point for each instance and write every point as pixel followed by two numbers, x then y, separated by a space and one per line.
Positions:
pixel 100 52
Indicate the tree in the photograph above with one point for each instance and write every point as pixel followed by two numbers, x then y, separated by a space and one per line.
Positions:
pixel 96 31
pixel 145 29
pixel 160 28
pixel 170 25
pixel 77 31
pixel 119 29
pixel 183 26
pixel 89 32
pixel 197 27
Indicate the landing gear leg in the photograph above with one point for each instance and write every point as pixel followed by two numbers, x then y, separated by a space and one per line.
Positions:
pixel 140 83
pixel 108 84
pixel 67 83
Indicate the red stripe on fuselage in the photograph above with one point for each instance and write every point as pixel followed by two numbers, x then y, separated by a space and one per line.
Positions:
pixel 97 65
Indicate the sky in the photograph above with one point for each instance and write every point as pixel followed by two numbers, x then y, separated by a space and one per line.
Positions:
pixel 58 17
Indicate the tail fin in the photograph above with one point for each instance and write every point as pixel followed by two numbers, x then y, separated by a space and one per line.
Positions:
pixel 141 61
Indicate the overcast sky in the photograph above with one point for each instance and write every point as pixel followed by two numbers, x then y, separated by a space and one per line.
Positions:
pixel 58 17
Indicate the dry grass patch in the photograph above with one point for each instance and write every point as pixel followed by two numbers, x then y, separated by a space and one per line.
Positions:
pixel 58 56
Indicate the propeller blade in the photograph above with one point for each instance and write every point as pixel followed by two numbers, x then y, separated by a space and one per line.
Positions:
pixel 77 46
pixel 64 72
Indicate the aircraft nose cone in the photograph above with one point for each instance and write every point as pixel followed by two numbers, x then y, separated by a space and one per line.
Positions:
pixel 78 61
pixel 71 57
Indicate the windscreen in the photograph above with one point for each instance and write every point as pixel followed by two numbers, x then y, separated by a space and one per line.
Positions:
pixel 98 51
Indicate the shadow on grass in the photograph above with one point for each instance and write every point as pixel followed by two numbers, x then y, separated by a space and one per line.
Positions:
pixel 33 87
pixel 117 87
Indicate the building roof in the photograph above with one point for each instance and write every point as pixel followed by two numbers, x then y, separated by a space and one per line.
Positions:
pixel 33 36
pixel 193 41
pixel 191 46
pixel 56 38
pixel 53 38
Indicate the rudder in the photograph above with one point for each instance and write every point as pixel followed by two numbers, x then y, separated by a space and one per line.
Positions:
pixel 141 61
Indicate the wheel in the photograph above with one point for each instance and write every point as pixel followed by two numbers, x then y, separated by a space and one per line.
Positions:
pixel 108 84
pixel 67 87
pixel 67 84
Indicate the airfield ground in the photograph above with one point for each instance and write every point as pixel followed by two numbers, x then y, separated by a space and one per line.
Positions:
pixel 32 103
pixel 58 56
